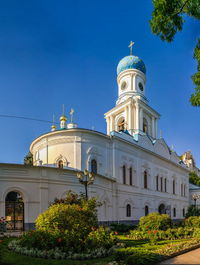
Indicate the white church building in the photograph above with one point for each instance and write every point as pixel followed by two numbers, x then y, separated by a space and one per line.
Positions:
pixel 135 171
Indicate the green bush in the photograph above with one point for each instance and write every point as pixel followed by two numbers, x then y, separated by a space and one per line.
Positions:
pixel 122 228
pixel 69 225
pixel 192 221
pixel 100 237
pixel 192 211
pixel 61 217
pixel 155 221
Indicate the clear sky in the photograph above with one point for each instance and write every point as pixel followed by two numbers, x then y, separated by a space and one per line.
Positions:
pixel 67 51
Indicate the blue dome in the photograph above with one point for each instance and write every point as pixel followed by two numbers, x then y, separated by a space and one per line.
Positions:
pixel 131 62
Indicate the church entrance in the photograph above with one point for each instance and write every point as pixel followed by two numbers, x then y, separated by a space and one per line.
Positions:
pixel 14 211
pixel 161 209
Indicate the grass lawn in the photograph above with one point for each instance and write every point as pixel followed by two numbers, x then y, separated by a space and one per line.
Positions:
pixel 10 258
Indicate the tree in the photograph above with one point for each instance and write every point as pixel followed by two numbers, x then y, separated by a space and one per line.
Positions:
pixel 167 20
pixel 194 179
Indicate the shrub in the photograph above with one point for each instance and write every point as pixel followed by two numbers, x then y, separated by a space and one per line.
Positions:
pixel 192 221
pixel 155 221
pixel 100 237
pixel 2 225
pixel 122 228
pixel 192 211
pixel 59 217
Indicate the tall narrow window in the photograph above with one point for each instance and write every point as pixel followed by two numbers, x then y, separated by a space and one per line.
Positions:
pixel 94 166
pixel 145 126
pixel 128 210
pixel 165 185
pixel 157 178
pixel 146 210
pixel 181 189
pixel 130 176
pixel 60 164
pixel 184 194
pixel 145 180
pixel 124 174
pixel 183 212
pixel 161 184
pixel 174 186
pixel 174 212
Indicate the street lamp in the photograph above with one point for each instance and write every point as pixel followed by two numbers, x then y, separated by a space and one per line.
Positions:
pixel 195 197
pixel 86 178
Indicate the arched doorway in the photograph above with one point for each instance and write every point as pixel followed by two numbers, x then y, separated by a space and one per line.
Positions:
pixel 14 211
pixel 161 208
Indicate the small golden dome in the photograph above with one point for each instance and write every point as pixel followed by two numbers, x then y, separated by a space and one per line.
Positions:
pixel 63 118
pixel 53 126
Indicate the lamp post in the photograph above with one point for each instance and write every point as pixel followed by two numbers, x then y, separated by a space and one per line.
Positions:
pixel 195 197
pixel 86 178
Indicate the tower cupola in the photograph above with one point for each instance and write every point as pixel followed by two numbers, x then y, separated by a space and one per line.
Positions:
pixel 131 77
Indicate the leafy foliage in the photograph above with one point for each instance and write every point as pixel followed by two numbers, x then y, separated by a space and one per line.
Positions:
pixel 75 214
pixel 155 221
pixel 192 221
pixel 192 211
pixel 167 20
pixel 71 226
pixel 194 179
pixel 195 98
pixel 121 228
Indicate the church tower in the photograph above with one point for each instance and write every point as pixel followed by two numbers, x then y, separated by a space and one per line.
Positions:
pixel 132 113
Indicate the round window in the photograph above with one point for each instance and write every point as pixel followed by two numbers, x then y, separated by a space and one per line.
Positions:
pixel 141 86
pixel 123 85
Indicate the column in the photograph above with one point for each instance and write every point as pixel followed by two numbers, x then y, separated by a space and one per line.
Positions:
pixel 137 108
pixel 130 126
pixel 126 117
pixel 153 127
pixel 156 128
pixel 111 124
pixel 108 125
pixel 141 119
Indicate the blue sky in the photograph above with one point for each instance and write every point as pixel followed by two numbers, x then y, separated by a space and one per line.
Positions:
pixel 55 52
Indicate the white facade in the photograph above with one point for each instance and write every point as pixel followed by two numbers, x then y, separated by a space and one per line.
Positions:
pixel 136 173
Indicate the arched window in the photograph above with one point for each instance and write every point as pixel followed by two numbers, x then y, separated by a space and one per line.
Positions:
pixel 124 174
pixel 145 180
pixel 94 166
pixel 130 176
pixel 174 186
pixel 121 125
pixel 145 126
pixel 165 185
pixel 14 211
pixel 60 164
pixel 157 178
pixel 183 212
pixel 146 210
pixel 161 184
pixel 174 212
pixel 161 208
pixel 128 210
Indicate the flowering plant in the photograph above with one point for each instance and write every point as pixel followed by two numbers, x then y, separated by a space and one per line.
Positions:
pixel 2 225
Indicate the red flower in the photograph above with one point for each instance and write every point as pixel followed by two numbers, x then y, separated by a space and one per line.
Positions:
pixel 155 231
pixel 59 240
pixel 149 232
pixel 116 233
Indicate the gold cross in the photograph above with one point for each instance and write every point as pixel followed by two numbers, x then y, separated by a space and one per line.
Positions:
pixel 131 46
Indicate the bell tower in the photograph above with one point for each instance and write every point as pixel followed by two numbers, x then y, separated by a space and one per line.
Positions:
pixel 132 113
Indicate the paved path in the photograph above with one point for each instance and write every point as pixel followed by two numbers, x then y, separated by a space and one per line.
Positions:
pixel 192 257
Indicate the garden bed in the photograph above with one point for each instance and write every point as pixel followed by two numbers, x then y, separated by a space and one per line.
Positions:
pixel 136 252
